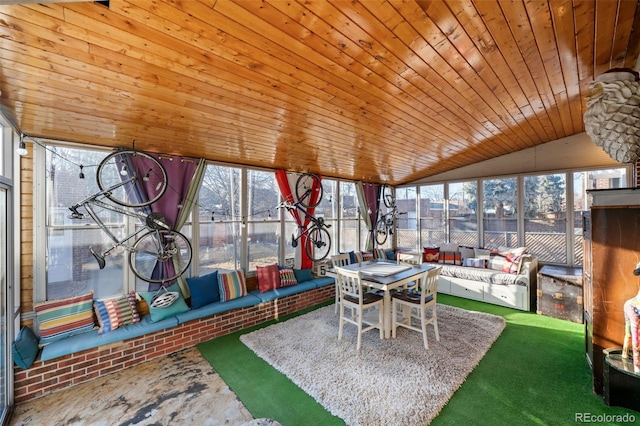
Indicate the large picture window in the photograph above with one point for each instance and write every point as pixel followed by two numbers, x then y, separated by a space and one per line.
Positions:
pixel 463 213
pixel 220 219
pixel 70 268
pixel 499 212
pixel 545 217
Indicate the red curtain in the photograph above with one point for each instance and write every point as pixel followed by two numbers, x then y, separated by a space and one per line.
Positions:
pixel 300 218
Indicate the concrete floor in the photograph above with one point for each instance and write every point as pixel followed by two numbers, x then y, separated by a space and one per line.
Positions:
pixel 178 389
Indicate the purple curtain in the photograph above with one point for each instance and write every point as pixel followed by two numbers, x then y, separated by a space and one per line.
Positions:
pixel 180 172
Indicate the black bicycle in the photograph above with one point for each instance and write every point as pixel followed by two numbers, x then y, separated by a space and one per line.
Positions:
pixel 386 223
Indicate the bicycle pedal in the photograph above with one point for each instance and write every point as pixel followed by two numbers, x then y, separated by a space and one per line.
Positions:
pixel 76 216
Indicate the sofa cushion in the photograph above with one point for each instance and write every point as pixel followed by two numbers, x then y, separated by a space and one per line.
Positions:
pixel 287 277
pixel 268 277
pixel 204 289
pixel 232 285
pixel 25 348
pixel 482 253
pixel 466 252
pixel 431 254
pixel 92 339
pixel 61 318
pixel 303 274
pixel 116 312
pixel 513 260
pixel 218 307
pixel 379 253
pixel 483 275
pixel 284 291
pixel 159 314
pixel 474 262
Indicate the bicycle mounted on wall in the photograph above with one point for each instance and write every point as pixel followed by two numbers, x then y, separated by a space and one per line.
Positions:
pixel 386 223
pixel 130 181
pixel 309 194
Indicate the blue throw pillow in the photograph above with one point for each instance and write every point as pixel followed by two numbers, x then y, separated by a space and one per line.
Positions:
pixel 158 314
pixel 25 348
pixel 204 290
pixel 303 275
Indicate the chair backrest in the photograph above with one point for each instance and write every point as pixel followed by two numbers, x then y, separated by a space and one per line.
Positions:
pixel 429 283
pixel 338 260
pixel 410 258
pixel 349 283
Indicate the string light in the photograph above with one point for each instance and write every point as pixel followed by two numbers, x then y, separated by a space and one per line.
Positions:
pixel 81 175
pixel 22 147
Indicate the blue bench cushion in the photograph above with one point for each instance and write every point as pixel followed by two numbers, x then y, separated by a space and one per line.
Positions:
pixel 288 291
pixel 217 307
pixel 92 339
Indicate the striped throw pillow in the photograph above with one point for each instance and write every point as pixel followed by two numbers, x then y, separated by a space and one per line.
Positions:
pixel 379 253
pixel 114 313
pixel 287 277
pixel 61 318
pixel 232 285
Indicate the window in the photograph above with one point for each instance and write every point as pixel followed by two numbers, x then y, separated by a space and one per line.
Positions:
pixel 432 214
pixel 462 216
pixel 263 228
pixel 407 220
pixel 70 268
pixel 582 181
pixel 349 217
pixel 499 205
pixel 545 217
pixel 220 219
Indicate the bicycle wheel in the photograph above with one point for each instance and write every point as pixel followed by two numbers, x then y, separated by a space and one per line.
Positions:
pixel 309 190
pixel 387 196
pixel 318 243
pixel 381 231
pixel 159 253
pixel 132 178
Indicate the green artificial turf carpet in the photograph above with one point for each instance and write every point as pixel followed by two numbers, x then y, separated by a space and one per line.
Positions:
pixel 535 373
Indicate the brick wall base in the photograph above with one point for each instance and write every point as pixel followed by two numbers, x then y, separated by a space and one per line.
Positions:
pixel 56 374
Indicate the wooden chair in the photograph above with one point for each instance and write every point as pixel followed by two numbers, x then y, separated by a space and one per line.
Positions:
pixel 410 259
pixel 337 261
pixel 353 296
pixel 416 302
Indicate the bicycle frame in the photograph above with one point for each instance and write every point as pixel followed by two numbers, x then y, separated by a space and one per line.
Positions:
pixel 317 226
pixel 95 200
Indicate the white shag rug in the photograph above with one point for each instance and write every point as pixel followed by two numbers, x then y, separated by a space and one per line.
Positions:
pixel 393 381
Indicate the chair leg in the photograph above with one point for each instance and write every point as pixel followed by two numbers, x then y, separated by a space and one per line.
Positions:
pixel 381 321
pixel 435 322
pixel 337 298
pixel 341 325
pixel 359 330
pixel 423 321
pixel 394 319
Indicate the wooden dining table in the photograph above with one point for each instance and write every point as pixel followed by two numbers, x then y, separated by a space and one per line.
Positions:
pixel 385 275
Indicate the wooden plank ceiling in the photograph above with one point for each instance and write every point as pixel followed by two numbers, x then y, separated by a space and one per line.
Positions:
pixel 379 91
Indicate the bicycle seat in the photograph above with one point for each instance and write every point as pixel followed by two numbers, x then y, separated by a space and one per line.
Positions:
pixel 99 258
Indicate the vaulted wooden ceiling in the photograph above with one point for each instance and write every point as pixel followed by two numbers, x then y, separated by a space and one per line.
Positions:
pixel 383 90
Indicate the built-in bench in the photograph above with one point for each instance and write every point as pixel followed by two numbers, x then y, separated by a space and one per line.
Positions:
pixel 85 356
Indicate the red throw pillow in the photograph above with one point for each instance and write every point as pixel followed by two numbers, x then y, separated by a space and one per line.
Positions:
pixel 268 277
pixel 431 254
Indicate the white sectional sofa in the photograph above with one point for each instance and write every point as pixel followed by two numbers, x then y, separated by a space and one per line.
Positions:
pixel 505 277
